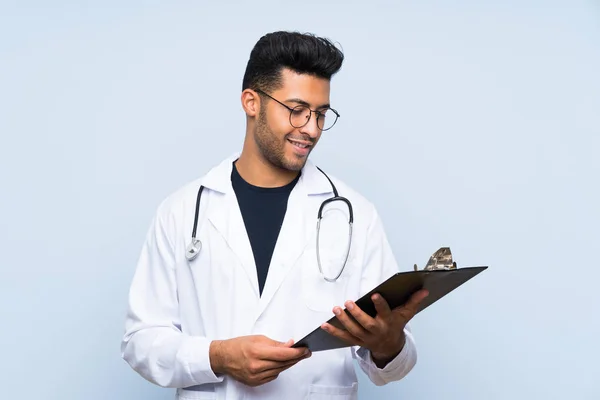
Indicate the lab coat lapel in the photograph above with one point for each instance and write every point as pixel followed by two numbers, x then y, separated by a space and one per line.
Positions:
pixel 299 226
pixel 225 215
pixel 227 219
pixel 291 242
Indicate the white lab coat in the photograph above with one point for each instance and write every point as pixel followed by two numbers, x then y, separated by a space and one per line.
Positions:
pixel 176 307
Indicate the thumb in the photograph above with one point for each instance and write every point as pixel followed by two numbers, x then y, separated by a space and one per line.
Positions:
pixel 287 344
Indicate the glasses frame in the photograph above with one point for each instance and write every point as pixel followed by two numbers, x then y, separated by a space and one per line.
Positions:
pixel 291 109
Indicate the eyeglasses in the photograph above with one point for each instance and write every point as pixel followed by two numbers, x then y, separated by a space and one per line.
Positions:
pixel 300 115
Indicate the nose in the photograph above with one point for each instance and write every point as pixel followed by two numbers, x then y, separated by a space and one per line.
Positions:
pixel 311 129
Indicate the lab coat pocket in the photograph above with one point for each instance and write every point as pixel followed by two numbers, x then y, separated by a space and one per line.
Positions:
pixel 195 395
pixel 322 392
pixel 335 258
pixel 319 294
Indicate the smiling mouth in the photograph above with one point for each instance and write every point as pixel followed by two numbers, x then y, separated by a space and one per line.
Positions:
pixel 299 144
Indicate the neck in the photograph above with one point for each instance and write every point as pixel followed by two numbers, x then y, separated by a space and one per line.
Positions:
pixel 257 171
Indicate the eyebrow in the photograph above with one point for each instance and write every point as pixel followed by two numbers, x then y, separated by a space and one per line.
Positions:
pixel 304 103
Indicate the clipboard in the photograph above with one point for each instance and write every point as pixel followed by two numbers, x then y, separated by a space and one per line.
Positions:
pixel 440 277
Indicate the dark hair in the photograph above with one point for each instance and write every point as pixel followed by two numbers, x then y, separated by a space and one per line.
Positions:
pixel 301 52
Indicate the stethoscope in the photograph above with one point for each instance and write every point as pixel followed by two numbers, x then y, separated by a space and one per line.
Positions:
pixel 195 245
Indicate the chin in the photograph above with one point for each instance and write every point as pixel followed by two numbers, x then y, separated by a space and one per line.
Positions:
pixel 294 163
pixel 297 166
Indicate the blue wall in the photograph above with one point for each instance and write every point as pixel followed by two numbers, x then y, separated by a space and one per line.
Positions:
pixel 471 125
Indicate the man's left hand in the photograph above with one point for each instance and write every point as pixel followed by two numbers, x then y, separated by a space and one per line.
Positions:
pixel 383 335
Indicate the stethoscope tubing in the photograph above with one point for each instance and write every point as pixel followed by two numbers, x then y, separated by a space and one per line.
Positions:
pixel 194 247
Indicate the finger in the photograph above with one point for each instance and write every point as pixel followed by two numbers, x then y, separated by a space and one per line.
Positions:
pixel 280 353
pixel 367 323
pixel 289 363
pixel 261 367
pixel 306 354
pixel 409 309
pixel 342 334
pixel 266 380
pixel 416 299
pixel 274 370
pixel 264 340
pixel 270 375
pixel 277 365
pixel 351 326
pixel 381 306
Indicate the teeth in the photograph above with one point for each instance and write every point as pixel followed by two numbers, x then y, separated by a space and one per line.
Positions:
pixel 302 146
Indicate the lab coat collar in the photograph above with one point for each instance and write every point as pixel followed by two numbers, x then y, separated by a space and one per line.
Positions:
pixel 295 231
pixel 311 180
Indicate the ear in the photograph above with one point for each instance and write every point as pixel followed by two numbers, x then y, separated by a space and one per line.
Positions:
pixel 250 102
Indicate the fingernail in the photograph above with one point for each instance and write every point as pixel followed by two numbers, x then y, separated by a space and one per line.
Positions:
pixel 350 306
pixel 336 311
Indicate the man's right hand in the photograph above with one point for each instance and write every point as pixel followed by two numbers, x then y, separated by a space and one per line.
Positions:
pixel 254 360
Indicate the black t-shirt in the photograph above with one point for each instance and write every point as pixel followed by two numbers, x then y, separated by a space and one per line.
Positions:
pixel 263 210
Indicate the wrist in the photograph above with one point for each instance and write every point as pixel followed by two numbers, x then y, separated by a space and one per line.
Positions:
pixel 217 356
pixel 382 358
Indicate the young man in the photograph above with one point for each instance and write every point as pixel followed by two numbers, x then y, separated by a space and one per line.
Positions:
pixel 233 270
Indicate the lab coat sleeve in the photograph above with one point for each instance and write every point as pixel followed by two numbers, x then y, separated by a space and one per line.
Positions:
pixel 380 264
pixel 153 344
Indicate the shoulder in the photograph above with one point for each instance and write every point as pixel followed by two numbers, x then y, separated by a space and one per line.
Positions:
pixel 173 208
pixel 183 198
pixel 180 196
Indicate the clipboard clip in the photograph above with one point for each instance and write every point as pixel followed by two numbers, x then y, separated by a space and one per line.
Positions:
pixel 441 260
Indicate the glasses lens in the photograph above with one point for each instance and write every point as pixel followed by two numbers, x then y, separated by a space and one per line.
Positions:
pixel 326 119
pixel 299 116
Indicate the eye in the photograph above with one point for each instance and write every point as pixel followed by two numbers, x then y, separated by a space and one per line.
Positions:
pixel 299 111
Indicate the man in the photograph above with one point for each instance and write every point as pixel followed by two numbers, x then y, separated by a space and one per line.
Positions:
pixel 216 316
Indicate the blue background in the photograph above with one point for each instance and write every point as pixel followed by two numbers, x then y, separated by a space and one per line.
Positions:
pixel 470 124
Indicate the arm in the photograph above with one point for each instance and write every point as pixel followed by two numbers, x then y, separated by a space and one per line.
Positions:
pixel 155 347
pixel 379 265
pixel 153 344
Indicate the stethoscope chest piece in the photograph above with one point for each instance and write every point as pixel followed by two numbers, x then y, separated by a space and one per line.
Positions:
pixel 193 249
